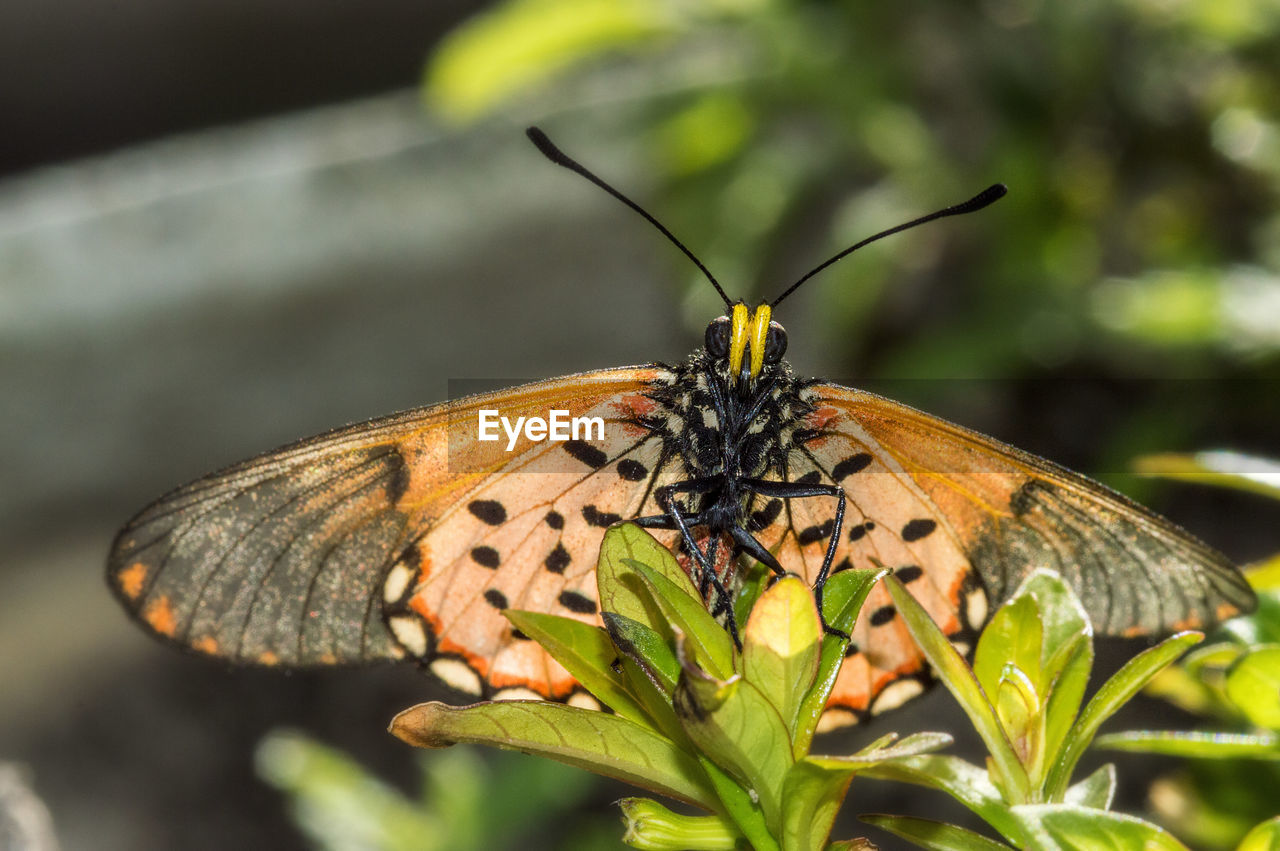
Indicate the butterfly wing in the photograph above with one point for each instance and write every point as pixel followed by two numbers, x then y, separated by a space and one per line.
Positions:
pixel 1011 512
pixel 963 519
pixel 399 537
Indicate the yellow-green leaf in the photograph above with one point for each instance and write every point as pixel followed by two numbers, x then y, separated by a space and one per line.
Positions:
pixel 605 744
pixel 780 646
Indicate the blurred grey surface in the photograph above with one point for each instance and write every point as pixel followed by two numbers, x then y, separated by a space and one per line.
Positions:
pixel 179 306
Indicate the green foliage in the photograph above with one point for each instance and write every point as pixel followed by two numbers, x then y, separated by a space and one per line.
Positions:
pixel 698 720
pixel 340 806
pixel 1141 142
pixel 1231 784
pixel 1023 696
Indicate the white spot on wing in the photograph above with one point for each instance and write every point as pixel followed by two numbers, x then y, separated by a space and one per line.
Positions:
pixel 409 631
pixel 518 693
pixel 835 719
pixel 397 581
pixel 456 673
pixel 582 700
pixel 895 694
pixel 975 608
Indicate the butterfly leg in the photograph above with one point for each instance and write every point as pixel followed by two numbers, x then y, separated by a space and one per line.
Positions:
pixel 790 490
pixel 675 518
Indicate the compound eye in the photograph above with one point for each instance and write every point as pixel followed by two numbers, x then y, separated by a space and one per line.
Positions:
pixel 775 344
pixel 718 332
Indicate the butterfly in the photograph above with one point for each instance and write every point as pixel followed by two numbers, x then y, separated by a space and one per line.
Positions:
pixel 404 538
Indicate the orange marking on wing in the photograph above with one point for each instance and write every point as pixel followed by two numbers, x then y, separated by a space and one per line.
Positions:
pixel 635 405
pixel 445 645
pixel 823 417
pixel 424 565
pixel 159 614
pixel 132 578
pixel 855 670
pixel 882 678
pixel 268 658
pixel 541 686
pixel 1226 610
pixel 1133 632
pixel 208 644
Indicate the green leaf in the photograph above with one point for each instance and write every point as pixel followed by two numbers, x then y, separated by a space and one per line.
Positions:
pixel 646 647
pixel 622 590
pixel 1074 828
pixel 733 724
pixel 885 749
pixel 1074 663
pixel 1264 837
pixel 967 783
pixel 1013 637
pixel 604 744
pixel 652 827
pixel 1253 684
pixel 937 836
pixel 1199 745
pixel 523 42
pixel 703 635
pixel 1113 694
pixel 1224 469
pixel 587 653
pixel 1097 790
pixel 842 599
pixel 740 806
pixel 780 647
pixel 1043 632
pixel 811 797
pixel 950 667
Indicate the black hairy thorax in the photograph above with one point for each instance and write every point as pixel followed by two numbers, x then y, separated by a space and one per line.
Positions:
pixel 726 434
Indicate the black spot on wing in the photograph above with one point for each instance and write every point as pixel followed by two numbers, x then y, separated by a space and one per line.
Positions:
pixel 814 534
pixel 596 517
pixel 555 519
pixel 810 478
pixel 1025 497
pixel 489 511
pixel 398 474
pixel 763 518
pixel 632 470
pixel 909 573
pixel 590 455
pixel 882 615
pixel 557 560
pixel 918 528
pixel 849 466
pixel 858 532
pixel 577 602
pixel 496 598
pixel 485 557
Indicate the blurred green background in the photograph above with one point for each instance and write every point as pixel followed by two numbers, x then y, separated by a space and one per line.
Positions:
pixel 226 226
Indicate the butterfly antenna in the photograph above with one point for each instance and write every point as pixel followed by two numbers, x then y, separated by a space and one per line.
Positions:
pixel 560 158
pixel 987 196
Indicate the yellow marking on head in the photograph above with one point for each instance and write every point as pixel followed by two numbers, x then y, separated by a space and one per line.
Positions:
pixel 132 578
pixel 737 339
pixel 759 336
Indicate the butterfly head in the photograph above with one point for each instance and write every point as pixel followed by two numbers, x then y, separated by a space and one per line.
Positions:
pixel 746 341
